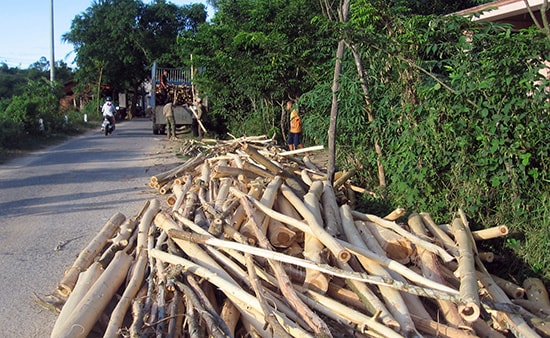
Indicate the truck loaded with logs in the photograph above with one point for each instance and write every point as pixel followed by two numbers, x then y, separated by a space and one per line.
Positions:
pixel 178 91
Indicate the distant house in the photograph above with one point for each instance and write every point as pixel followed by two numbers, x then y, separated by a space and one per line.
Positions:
pixel 68 100
pixel 514 12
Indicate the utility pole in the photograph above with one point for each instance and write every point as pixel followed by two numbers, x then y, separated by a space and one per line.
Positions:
pixel 52 56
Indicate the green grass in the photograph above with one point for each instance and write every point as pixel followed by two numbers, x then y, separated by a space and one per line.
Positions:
pixel 32 143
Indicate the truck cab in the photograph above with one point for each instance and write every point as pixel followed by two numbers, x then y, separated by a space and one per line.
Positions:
pixel 180 93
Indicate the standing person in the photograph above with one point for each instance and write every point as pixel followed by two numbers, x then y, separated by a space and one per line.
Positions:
pixel 168 112
pixel 295 132
pixel 164 86
pixel 108 111
pixel 197 116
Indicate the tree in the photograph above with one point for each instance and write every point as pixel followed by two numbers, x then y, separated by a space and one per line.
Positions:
pixel 255 55
pixel 126 36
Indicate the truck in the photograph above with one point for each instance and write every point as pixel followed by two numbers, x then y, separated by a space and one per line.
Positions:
pixel 180 93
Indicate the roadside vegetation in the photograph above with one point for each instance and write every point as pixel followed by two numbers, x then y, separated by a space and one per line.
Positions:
pixel 435 112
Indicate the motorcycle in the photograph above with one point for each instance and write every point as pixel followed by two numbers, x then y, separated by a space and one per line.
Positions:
pixel 106 126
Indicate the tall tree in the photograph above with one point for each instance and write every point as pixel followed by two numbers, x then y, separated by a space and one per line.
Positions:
pixel 126 36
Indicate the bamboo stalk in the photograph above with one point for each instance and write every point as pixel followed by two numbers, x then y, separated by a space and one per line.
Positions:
pixel 86 256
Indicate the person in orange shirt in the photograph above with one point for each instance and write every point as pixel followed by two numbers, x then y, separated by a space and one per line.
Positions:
pixel 295 132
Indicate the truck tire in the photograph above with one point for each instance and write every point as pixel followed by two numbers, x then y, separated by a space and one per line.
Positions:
pixel 155 129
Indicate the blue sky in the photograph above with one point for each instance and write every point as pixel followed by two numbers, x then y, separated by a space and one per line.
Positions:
pixel 25 29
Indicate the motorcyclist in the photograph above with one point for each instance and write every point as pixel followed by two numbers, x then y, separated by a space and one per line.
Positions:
pixel 108 111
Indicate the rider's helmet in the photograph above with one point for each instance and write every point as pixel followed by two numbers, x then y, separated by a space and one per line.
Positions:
pixel 108 99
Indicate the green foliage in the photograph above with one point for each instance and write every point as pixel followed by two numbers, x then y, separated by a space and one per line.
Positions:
pixel 116 41
pixel 255 52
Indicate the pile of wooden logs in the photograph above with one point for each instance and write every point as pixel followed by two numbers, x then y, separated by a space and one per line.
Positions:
pixel 250 241
pixel 179 95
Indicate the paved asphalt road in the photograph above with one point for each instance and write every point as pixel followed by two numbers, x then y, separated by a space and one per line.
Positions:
pixel 65 194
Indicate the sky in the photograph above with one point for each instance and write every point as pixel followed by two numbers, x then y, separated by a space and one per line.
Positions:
pixel 25 29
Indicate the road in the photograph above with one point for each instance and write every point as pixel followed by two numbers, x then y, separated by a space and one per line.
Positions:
pixel 65 194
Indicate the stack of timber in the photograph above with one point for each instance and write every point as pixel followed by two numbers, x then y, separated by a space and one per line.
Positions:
pixel 179 95
pixel 248 240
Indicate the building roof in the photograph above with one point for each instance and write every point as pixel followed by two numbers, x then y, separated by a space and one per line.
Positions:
pixel 513 12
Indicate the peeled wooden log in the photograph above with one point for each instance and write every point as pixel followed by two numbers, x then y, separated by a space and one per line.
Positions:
pixel 85 281
pixel 313 247
pixel 514 322
pixel 301 150
pixel 331 213
pixel 446 292
pixel 145 223
pixel 261 159
pixel 488 257
pixel 336 248
pixel 247 304
pixel 131 290
pixel 533 307
pixel 392 298
pixel 258 171
pixel 337 311
pixel 189 165
pixel 511 289
pixel 536 292
pixel 430 269
pixel 197 254
pixel 226 171
pixel 230 315
pixel 314 322
pixel 343 178
pixel 490 233
pixel 396 247
pixel 180 192
pixel 469 308
pixel 90 308
pixel 395 214
pixel 441 236
pixel 279 235
pixel 414 239
pixel 86 256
